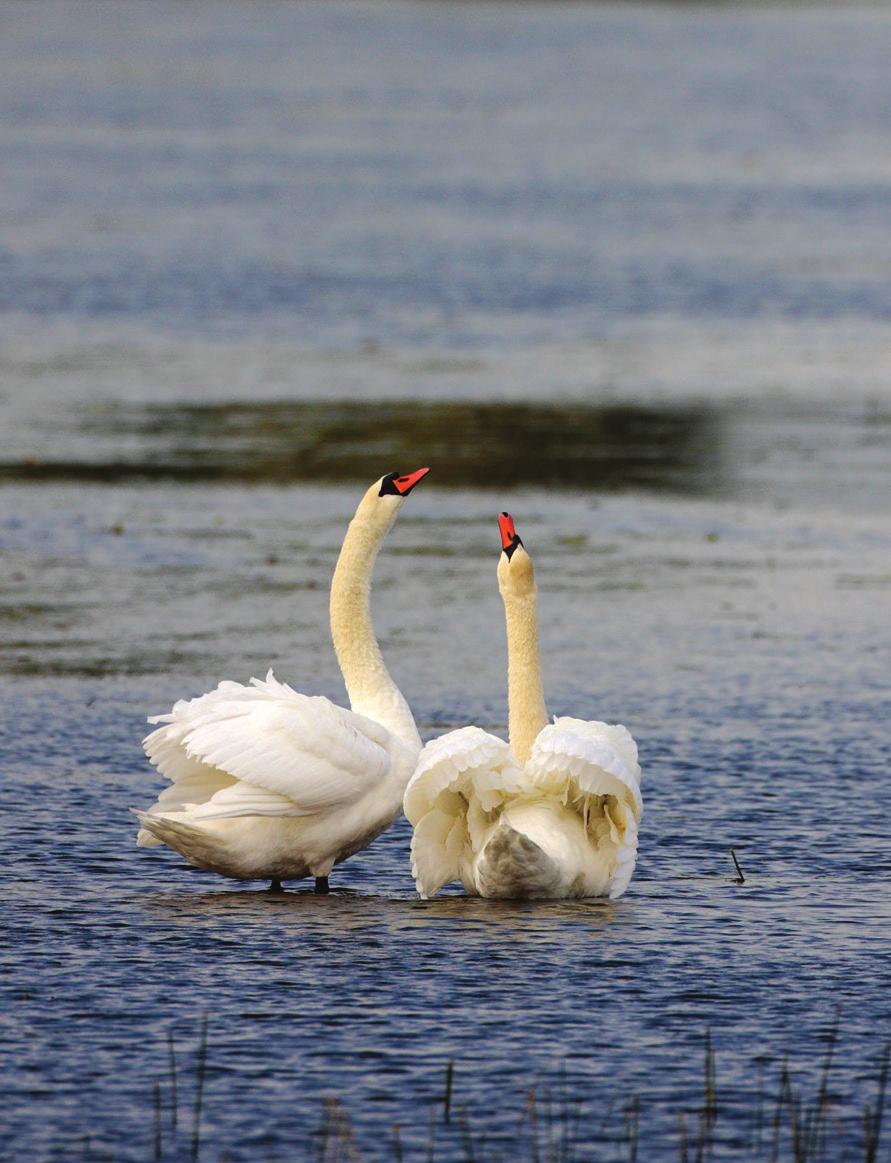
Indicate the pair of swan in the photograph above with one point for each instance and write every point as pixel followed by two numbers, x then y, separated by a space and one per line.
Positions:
pixel 270 784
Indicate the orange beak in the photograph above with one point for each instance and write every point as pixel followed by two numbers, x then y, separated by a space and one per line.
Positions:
pixel 508 531
pixel 510 538
pixel 405 484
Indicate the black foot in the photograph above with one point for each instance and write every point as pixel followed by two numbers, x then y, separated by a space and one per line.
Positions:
pixel 322 885
pixel 275 886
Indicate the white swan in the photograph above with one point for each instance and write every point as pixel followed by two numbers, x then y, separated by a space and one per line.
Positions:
pixel 272 784
pixel 554 814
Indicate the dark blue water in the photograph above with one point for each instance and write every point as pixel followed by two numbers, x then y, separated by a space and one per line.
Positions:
pixel 746 650
pixel 623 270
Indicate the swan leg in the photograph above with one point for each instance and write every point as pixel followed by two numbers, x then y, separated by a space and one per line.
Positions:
pixel 322 885
pixel 275 886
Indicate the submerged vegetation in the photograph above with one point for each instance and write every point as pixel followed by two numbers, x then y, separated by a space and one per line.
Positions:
pixel 783 1121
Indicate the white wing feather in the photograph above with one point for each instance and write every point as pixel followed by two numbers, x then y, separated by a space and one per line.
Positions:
pixel 620 737
pixel 464 765
pixel 243 799
pixel 574 757
pixel 300 748
pixel 470 753
pixel 465 779
pixel 625 857
pixel 593 767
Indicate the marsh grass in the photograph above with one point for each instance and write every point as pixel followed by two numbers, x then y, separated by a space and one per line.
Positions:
pixel 554 1125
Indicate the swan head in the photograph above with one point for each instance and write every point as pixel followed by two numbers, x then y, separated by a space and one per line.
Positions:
pixel 516 577
pixel 385 498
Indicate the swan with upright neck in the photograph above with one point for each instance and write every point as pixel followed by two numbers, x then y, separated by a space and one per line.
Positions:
pixel 270 784
pixel 554 814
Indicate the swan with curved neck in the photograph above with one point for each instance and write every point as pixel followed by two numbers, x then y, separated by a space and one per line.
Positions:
pixel 269 784
pixel 554 813
pixel 369 686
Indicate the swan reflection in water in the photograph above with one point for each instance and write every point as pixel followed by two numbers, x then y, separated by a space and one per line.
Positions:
pixel 345 911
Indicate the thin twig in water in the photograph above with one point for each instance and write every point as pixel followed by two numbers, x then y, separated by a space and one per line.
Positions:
pixel 339 1142
pixel 758 1116
pixel 173 1100
pixel 632 1121
pixel 432 1140
pixel 199 1090
pixel 711 1086
pixel 872 1120
pixel 573 1122
pixel 157 1122
pixel 778 1113
pixel 814 1123
pixel 740 879
pixel 549 1125
pixel 447 1097
pixel 799 1141
pixel 323 1132
pixel 467 1135
pixel 682 1131
pixel 701 1141
pixel 533 1124
pixel 709 1113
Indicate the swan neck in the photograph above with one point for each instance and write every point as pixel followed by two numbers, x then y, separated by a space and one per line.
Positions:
pixel 527 714
pixel 372 691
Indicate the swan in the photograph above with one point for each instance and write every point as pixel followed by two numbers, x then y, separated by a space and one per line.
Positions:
pixel 552 815
pixel 271 784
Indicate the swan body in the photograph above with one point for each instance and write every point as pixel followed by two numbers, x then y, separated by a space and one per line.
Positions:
pixel 552 815
pixel 267 783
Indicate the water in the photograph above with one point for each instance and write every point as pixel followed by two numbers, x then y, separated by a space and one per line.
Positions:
pixel 622 270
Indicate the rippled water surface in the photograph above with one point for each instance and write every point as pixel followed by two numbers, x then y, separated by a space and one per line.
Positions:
pixel 625 271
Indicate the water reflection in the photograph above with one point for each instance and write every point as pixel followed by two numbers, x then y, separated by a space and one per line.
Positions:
pixel 670 448
pixel 350 912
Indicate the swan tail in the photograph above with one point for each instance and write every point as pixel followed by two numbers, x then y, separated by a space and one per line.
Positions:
pixel 461 777
pixel 513 867
pixel 198 846
pixel 145 837
pixel 162 829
